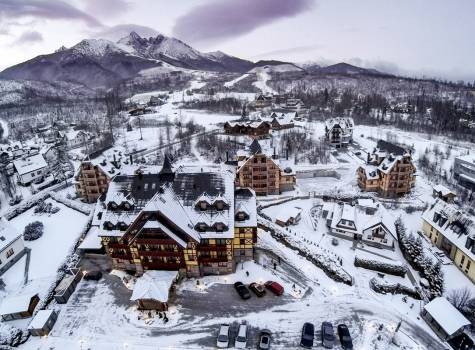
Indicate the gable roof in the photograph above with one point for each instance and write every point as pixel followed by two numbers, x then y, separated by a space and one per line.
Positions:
pixel 446 315
pixel 8 234
pixel 16 304
pixel 28 164
pixel 154 285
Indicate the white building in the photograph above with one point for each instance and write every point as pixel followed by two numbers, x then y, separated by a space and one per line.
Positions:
pixel 30 168
pixel 444 318
pixel 339 131
pixel 12 247
pixel 77 138
pixel 371 224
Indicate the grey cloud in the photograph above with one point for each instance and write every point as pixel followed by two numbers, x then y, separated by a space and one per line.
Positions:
pixel 45 9
pixel 29 37
pixel 118 32
pixel 109 8
pixel 223 19
pixel 289 50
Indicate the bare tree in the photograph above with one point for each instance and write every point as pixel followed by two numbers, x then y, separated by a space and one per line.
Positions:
pixel 460 298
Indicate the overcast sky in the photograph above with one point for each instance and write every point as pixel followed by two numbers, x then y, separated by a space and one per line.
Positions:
pixel 412 37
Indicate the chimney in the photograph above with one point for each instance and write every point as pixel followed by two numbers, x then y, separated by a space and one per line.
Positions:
pixel 227 156
pixel 287 154
pixel 274 156
pixel 131 159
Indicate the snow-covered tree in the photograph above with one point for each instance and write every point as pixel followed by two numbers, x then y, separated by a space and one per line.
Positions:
pixel 33 231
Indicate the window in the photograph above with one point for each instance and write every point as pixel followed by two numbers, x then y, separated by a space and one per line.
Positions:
pixel 242 241
pixel 462 261
pixel 10 252
pixel 469 262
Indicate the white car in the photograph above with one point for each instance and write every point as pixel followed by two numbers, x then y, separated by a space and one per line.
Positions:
pixel 223 336
pixel 241 339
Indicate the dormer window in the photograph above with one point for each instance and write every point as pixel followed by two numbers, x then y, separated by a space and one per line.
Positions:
pixel 241 216
pixel 219 227
pixel 201 227
pixel 219 205
pixel 203 205
pixel 126 205
pixel 108 225
pixel 113 205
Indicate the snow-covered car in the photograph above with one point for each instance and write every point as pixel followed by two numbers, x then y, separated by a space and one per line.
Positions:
pixel 223 336
pixel 241 339
pixel 264 340
pixel 258 289
pixel 328 335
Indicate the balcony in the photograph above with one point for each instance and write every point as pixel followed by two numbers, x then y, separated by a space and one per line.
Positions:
pixel 154 241
pixel 159 253
pixel 210 248
pixel 213 260
pixel 162 266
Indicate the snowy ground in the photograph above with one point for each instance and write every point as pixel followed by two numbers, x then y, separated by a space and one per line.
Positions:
pixel 48 253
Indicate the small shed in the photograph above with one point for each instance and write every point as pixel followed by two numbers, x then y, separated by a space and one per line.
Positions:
pixel 151 291
pixel 43 323
pixel 444 318
pixel 21 306
pixel 442 192
pixel 66 287
pixel 290 216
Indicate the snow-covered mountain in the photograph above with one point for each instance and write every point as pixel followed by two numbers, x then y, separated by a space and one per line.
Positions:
pixel 342 68
pixel 93 63
pixel 176 52
pixel 101 63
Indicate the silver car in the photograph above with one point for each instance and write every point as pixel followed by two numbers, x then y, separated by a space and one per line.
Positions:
pixel 328 335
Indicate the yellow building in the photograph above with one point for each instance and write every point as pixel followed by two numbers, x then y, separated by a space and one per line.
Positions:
pixel 452 231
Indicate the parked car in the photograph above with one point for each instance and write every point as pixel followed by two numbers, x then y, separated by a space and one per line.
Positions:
pixel 241 339
pixel 308 333
pixel 328 335
pixel 345 337
pixel 358 153
pixel 258 289
pixel 274 287
pixel 264 339
pixel 242 290
pixel 94 275
pixel 223 336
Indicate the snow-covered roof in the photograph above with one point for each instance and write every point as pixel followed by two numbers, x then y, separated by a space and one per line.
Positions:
pixel 470 158
pixel 8 234
pixel 361 219
pixel 29 164
pixel 246 203
pixel 154 285
pixel 40 319
pixel 444 191
pixel 92 240
pixel 448 219
pixel 367 203
pixel 345 123
pixel 16 304
pixel 446 315
pixel 287 213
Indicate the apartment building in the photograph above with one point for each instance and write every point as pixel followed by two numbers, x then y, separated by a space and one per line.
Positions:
pixel 453 231
pixel 389 171
pixel 263 173
pixel 91 181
